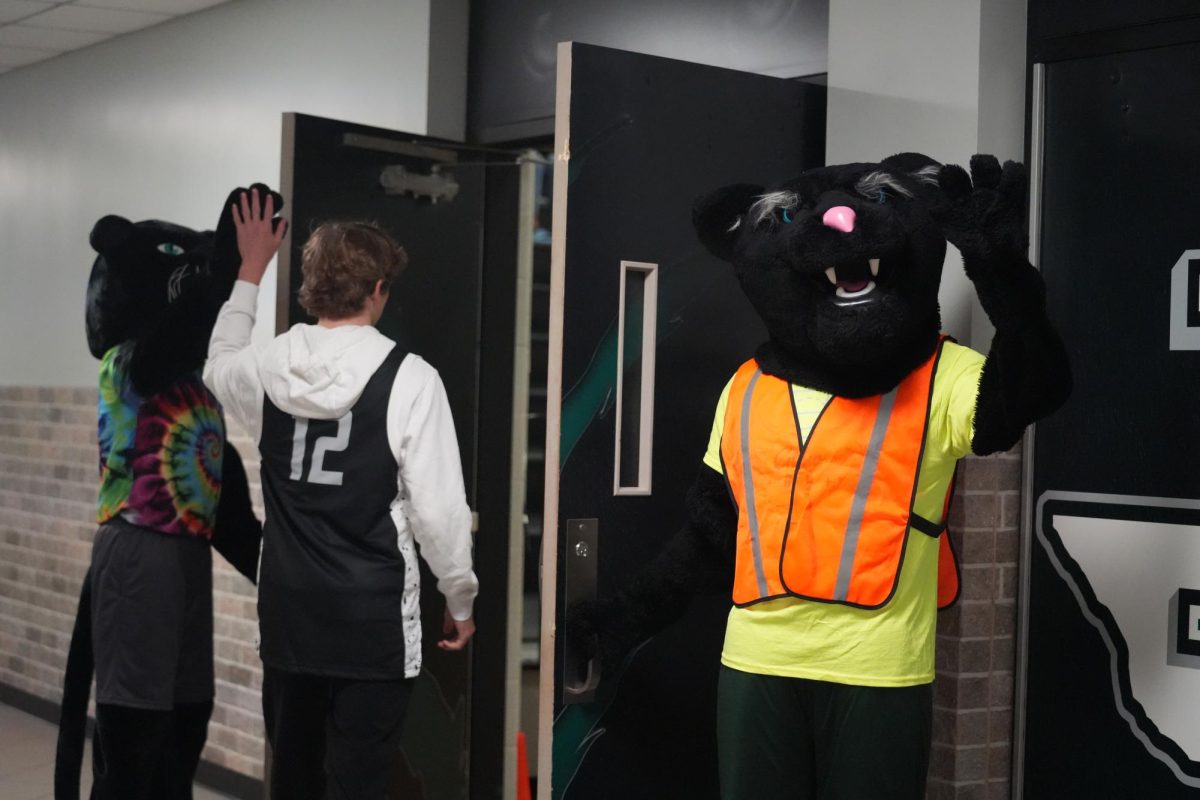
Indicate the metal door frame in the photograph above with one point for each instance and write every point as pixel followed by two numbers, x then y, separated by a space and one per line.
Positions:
pixel 558 267
pixel 1036 166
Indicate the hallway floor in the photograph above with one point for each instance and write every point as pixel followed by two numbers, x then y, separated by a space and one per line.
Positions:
pixel 27 759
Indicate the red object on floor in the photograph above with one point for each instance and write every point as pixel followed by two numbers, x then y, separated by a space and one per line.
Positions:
pixel 522 769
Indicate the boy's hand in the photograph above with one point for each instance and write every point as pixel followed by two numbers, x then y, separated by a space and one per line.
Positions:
pixel 458 633
pixel 258 234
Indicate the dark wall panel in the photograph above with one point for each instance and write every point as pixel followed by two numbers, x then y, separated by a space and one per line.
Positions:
pixel 1119 209
pixel 1052 18
pixel 513 47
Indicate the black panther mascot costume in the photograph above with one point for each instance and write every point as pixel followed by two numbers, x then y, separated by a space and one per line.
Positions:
pixel 822 502
pixel 170 485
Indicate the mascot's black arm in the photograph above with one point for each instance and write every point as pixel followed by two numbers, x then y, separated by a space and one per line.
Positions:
pixel 698 559
pixel 237 534
pixel 1027 374
pixel 176 343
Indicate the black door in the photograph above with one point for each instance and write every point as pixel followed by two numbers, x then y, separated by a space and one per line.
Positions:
pixel 638 139
pixel 1113 655
pixel 454 210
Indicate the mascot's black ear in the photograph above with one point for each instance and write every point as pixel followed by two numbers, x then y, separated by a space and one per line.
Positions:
pixel 109 233
pixel 909 162
pixel 107 310
pixel 717 216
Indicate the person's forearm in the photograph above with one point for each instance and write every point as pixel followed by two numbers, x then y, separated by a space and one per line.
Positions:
pixel 231 372
pixel 444 536
pixel 235 322
pixel 431 477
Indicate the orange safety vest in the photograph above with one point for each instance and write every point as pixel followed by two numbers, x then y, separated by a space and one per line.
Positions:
pixel 828 519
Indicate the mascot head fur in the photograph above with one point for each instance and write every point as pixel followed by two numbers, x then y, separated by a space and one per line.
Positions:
pixel 140 267
pixel 843 265
pixel 159 286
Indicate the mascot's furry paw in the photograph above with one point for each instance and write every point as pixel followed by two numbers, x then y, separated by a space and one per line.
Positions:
pixel 225 250
pixel 601 629
pixel 984 217
pixel 983 214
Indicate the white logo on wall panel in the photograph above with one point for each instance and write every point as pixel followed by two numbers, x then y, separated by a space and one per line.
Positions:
pixel 1185 302
pixel 1133 565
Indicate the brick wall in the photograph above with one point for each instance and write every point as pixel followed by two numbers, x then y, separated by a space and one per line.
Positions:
pixel 47 511
pixel 973 692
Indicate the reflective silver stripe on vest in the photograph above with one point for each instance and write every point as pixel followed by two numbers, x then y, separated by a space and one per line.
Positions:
pixel 748 482
pixel 861 493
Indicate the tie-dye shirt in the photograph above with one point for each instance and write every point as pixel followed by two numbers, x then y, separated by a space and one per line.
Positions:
pixel 160 456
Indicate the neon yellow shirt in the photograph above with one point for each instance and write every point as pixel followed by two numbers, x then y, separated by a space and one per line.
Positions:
pixel 889 646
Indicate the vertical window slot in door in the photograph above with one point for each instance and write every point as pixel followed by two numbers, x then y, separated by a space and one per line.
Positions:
pixel 636 334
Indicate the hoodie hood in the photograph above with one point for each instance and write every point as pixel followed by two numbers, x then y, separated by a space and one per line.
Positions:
pixel 319 373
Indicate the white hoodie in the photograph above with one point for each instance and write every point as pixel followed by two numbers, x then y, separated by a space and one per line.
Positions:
pixel 319 373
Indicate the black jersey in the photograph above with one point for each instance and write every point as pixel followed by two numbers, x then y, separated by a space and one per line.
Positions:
pixel 331 583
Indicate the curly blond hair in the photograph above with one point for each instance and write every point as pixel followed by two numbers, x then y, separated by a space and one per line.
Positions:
pixel 342 262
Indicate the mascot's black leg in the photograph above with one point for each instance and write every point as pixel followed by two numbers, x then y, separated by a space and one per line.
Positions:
pixel 77 685
pixel 189 732
pixel 129 752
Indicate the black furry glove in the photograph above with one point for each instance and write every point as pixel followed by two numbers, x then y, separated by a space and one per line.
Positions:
pixel 984 217
pixel 601 629
pixel 225 258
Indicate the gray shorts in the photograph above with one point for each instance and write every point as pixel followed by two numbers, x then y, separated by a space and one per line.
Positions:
pixel 152 617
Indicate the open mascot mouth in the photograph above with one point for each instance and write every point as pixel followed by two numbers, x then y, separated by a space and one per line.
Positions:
pixel 853 283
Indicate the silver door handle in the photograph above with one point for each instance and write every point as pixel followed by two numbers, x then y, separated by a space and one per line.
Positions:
pixel 581 675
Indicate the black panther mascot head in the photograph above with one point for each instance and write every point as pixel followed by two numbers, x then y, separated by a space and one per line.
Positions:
pixel 155 279
pixel 842 264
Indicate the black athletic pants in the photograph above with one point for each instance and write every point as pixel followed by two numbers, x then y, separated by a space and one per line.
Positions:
pixel 794 739
pixel 143 754
pixel 332 737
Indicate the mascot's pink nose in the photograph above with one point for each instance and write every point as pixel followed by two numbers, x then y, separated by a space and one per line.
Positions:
pixel 840 218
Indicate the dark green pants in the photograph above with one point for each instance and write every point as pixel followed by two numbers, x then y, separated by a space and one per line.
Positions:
pixel 795 739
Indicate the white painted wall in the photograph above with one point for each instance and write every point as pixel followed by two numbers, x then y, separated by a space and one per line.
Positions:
pixel 163 123
pixel 941 77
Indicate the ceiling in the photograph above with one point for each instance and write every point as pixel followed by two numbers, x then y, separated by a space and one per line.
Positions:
pixel 35 30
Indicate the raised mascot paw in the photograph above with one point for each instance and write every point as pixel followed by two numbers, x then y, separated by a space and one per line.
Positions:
pixel 983 215
pixel 225 250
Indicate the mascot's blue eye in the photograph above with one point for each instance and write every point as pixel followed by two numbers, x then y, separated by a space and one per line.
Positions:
pixel 170 249
pixel 785 215
pixel 882 197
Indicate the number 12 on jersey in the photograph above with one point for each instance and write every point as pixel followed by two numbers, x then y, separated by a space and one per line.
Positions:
pixel 321 447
